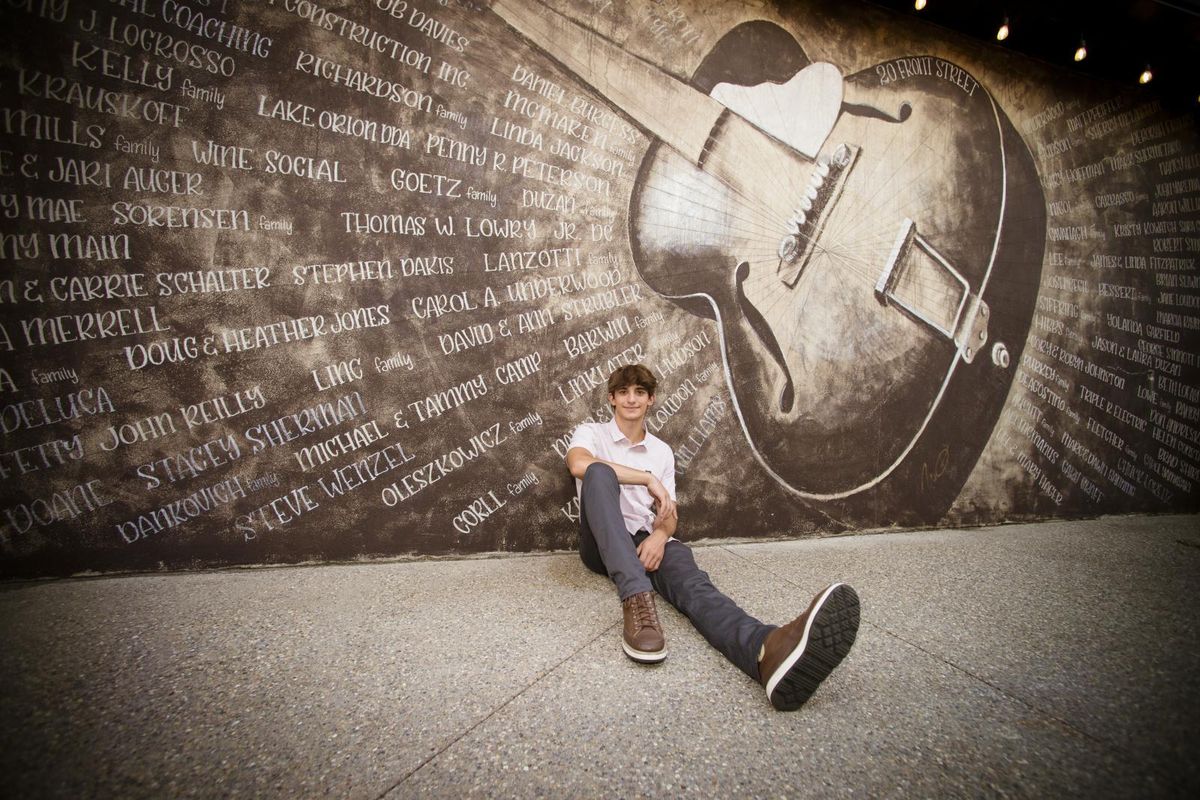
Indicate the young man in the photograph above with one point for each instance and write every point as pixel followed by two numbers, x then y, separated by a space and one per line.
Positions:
pixel 625 476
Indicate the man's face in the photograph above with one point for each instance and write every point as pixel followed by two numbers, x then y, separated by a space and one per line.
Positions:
pixel 631 403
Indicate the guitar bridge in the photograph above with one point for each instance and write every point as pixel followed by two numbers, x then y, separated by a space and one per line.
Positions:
pixel 821 195
pixel 919 281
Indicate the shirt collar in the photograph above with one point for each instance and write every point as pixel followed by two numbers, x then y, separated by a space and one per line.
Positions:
pixel 618 436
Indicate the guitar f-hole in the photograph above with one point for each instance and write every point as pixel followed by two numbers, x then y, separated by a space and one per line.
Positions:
pixel 762 328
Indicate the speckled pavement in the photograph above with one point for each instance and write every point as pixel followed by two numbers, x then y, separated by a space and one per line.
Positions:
pixel 1058 659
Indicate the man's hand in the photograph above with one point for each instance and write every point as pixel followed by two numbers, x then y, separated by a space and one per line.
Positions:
pixel 650 551
pixel 663 503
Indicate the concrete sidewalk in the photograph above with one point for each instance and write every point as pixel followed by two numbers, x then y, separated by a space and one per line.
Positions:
pixel 1049 660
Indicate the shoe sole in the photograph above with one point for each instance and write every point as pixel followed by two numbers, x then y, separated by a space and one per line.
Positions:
pixel 644 656
pixel 828 635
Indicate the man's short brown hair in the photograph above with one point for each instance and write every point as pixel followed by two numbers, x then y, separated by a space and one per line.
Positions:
pixel 632 375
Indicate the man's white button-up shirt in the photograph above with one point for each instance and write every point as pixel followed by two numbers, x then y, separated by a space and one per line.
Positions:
pixel 605 441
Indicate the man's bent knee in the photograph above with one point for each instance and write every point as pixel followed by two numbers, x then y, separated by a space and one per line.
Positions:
pixel 599 472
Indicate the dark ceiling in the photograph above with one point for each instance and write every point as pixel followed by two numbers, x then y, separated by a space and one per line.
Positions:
pixel 1122 36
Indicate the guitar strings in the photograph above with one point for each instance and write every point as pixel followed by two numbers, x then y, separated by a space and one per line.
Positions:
pixel 847 247
pixel 849 258
pixel 779 235
pixel 764 257
pixel 849 230
pixel 846 256
pixel 721 209
pixel 879 186
pixel 932 232
pixel 798 297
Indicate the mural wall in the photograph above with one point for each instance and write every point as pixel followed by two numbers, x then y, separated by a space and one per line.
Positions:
pixel 291 280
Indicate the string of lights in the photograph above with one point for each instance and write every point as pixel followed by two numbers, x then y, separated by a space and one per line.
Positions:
pixel 1029 29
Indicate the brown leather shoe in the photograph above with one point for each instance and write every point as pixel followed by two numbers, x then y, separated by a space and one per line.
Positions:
pixel 801 654
pixel 643 639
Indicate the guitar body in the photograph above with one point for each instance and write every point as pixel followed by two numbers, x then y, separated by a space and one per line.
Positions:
pixel 867 374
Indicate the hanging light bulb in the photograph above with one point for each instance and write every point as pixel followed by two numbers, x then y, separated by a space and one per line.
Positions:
pixel 1002 34
pixel 919 4
pixel 1146 75
pixel 1081 52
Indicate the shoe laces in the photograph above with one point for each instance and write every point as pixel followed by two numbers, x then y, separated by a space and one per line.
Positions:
pixel 644 611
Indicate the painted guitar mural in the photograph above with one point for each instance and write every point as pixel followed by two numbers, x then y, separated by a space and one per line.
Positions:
pixel 870 247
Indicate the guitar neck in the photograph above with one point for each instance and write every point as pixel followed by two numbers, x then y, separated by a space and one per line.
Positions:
pixel 671 110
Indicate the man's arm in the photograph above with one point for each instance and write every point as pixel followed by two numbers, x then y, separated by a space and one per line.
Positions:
pixel 650 551
pixel 579 459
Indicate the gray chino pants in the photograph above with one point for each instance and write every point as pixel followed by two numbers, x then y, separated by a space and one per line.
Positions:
pixel 607 548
